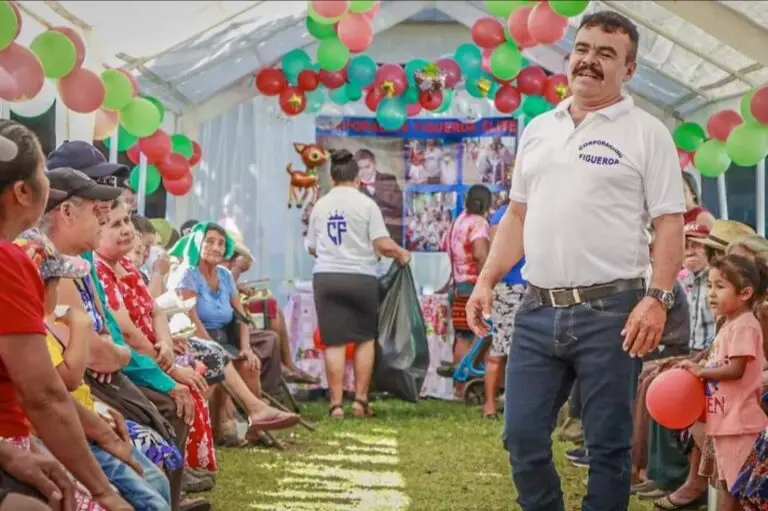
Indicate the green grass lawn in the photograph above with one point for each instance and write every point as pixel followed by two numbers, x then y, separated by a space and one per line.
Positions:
pixel 432 456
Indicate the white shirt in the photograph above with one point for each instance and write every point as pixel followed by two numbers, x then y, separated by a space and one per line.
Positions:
pixel 589 191
pixel 432 158
pixel 342 227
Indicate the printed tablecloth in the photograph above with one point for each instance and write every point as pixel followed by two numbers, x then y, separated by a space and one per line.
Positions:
pixel 301 321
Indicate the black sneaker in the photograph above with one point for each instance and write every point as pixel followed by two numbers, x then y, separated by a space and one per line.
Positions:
pixel 582 462
pixel 575 454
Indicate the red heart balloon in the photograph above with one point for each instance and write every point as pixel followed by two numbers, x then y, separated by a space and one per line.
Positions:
pixel 178 187
pixel 156 146
pixel 174 167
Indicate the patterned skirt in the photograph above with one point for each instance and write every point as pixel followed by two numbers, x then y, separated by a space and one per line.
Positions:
pixel 154 447
pixel 751 487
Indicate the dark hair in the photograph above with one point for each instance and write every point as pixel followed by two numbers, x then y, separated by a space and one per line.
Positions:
pixel 23 166
pixel 142 224
pixel 364 154
pixel 478 200
pixel 689 180
pixel 344 168
pixel 174 238
pixel 217 228
pixel 611 22
pixel 743 272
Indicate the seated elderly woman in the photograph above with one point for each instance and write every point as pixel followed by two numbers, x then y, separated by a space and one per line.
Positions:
pixel 218 314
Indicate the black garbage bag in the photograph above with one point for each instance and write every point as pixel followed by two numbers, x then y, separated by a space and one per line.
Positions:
pixel 402 353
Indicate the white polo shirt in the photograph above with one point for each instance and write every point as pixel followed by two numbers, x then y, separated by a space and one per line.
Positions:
pixel 342 227
pixel 589 192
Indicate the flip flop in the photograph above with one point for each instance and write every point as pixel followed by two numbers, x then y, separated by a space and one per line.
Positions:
pixel 641 487
pixel 667 504
pixel 279 420
pixel 332 409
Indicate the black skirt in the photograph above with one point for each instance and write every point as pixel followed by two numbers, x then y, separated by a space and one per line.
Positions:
pixel 347 306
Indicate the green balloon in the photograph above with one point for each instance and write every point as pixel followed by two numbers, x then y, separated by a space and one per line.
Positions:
pixel 361 70
pixel 180 143
pixel 140 118
pixel 747 144
pixel 391 114
pixel 746 113
pixel 158 104
pixel 318 30
pixel 332 54
pixel 353 92
pixel 712 158
pixel 480 84
pixel 9 24
pixel 568 8
pixel 411 95
pixel 124 139
pixel 118 89
pixel 447 102
pixel 56 52
pixel 506 61
pixel 339 95
pixel 150 185
pixel 469 58
pixel 534 106
pixel 412 66
pixel 295 61
pixel 689 136
pixel 501 8
pixel 361 5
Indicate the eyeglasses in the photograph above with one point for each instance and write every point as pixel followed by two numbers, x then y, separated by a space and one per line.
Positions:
pixel 108 181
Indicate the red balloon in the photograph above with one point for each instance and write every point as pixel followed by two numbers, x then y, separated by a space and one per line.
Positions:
pixel 531 80
pixel 156 146
pixel 355 32
pixel 293 101
pixel 82 91
pixel 517 24
pixel 373 97
pixel 178 187
pixel 488 33
pixel 371 13
pixel 684 158
pixel 451 69
pixel 308 80
pixel 174 167
pixel 77 41
pixel 134 154
pixel 556 88
pixel 271 81
pixel 413 109
pixel 486 65
pixel 545 25
pixel 431 100
pixel 333 80
pixel 391 76
pixel 507 99
pixel 720 125
pixel 197 154
pixel 758 105
pixel 330 9
pixel 676 399
pixel 26 70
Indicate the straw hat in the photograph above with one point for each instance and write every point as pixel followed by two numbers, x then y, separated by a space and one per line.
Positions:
pixel 240 248
pixel 754 243
pixel 724 232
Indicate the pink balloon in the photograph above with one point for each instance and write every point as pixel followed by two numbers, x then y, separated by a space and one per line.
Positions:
pixel 355 32
pixel 105 124
pixel 371 13
pixel 488 33
pixel 132 79
pixel 330 8
pixel 545 25
pixel 9 89
pixel 451 69
pixel 82 91
pixel 76 40
pixel 720 125
pixel 517 25
pixel 392 73
pixel 684 158
pixel 413 110
pixel 487 60
pixel 25 68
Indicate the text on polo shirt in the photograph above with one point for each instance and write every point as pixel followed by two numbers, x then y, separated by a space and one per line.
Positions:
pixel 597 159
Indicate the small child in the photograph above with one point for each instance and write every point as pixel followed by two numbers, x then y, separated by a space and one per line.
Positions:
pixel 733 371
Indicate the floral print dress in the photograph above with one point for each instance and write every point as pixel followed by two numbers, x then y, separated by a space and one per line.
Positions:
pixel 131 291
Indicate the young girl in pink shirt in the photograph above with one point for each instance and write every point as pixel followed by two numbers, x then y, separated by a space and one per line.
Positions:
pixel 732 373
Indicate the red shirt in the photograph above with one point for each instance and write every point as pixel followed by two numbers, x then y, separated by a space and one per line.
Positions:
pixel 22 308
pixel 129 291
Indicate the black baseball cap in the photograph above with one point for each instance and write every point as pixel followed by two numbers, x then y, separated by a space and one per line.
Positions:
pixel 66 183
pixel 187 226
pixel 82 156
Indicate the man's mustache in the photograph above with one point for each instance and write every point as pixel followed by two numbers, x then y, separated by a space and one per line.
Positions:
pixel 592 68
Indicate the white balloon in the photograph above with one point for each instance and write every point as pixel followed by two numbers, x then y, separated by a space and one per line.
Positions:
pixel 39 104
pixel 329 117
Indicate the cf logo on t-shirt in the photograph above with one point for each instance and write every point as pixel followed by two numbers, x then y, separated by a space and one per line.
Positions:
pixel 336 227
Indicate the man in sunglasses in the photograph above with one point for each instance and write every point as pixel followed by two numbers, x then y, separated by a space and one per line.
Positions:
pixel 90 161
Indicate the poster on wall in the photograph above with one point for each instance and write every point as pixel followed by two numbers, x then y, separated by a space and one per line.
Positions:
pixel 418 175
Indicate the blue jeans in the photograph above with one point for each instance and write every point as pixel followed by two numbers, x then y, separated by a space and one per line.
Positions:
pixel 150 493
pixel 551 348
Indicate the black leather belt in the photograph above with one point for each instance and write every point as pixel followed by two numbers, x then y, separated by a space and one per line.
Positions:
pixel 569 297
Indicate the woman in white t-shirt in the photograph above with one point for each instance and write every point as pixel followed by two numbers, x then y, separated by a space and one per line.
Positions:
pixel 346 232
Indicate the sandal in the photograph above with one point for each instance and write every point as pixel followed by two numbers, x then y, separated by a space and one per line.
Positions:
pixel 667 504
pixel 278 420
pixel 642 487
pixel 333 408
pixel 367 411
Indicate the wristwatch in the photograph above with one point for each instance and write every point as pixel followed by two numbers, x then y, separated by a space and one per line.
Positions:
pixel 667 298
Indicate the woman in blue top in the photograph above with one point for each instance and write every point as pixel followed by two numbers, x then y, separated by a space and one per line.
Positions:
pixel 507 296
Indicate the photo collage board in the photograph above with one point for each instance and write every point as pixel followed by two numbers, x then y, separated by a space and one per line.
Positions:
pixel 419 174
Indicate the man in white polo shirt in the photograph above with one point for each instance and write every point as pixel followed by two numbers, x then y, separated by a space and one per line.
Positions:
pixel 588 175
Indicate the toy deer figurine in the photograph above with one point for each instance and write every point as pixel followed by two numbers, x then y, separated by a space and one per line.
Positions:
pixel 313 157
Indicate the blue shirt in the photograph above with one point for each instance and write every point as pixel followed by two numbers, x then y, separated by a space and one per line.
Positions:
pixel 214 308
pixel 514 276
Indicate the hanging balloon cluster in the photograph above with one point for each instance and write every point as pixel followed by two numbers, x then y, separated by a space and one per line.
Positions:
pixel 734 137
pixel 57 54
pixel 491 68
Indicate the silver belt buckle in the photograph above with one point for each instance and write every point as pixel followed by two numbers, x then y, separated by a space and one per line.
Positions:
pixel 574 293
